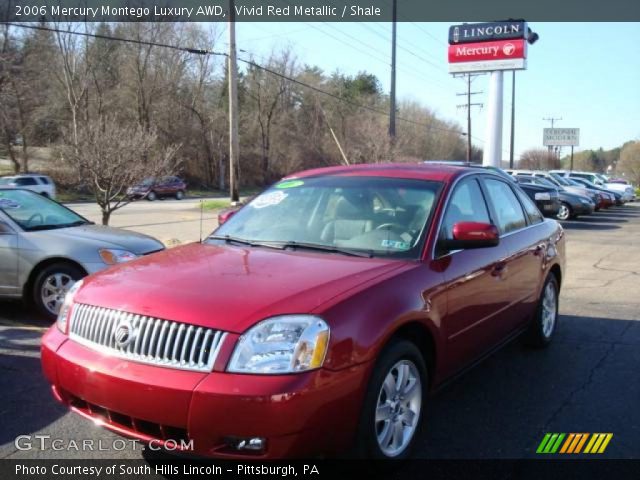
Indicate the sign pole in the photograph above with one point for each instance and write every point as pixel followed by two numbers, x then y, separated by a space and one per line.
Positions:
pixel 571 164
pixel 493 146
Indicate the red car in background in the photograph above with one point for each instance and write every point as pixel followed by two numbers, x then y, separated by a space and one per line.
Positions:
pixel 152 189
pixel 317 318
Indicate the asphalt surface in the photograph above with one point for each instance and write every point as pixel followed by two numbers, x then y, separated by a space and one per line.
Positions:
pixel 586 381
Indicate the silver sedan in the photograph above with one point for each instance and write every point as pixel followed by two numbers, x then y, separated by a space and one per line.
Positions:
pixel 45 248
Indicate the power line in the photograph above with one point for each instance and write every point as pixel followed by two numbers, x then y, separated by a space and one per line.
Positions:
pixel 199 51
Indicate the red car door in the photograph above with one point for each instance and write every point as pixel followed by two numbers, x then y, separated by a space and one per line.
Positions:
pixel 518 220
pixel 476 289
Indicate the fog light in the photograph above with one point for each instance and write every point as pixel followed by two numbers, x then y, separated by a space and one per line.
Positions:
pixel 253 444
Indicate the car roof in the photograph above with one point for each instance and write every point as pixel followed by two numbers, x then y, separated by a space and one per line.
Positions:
pixel 431 170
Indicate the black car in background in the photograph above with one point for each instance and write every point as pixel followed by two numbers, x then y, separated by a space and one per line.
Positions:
pixel 569 205
pixel 546 198
pixel 593 186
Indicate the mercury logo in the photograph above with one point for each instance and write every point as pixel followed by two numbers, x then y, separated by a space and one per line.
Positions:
pixel 123 334
pixel 509 49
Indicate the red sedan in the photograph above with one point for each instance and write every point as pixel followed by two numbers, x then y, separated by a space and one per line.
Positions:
pixel 316 319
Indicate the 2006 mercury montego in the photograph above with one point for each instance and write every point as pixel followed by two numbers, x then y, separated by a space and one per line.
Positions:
pixel 315 319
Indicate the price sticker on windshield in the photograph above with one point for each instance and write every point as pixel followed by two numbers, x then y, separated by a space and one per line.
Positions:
pixel 269 199
pixel 8 203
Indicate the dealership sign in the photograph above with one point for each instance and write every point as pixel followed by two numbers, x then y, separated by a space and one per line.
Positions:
pixel 561 137
pixel 481 32
pixel 488 65
pixel 472 52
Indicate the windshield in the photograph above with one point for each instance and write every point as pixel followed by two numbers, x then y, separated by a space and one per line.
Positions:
pixel 147 182
pixel 379 216
pixel 35 212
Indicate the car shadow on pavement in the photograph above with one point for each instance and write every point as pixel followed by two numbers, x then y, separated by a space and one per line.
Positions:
pixel 581 383
pixel 585 225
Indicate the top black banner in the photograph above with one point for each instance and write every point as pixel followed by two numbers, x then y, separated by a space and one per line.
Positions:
pixel 481 32
pixel 315 10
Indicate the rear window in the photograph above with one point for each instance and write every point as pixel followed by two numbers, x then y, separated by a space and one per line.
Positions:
pixel 45 180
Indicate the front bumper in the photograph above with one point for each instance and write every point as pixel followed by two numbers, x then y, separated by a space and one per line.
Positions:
pixel 299 415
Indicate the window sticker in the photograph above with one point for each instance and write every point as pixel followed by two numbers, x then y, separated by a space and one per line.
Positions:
pixel 8 203
pixel 269 199
pixel 290 184
pixel 397 245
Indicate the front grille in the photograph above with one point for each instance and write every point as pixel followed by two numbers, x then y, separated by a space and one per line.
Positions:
pixel 145 339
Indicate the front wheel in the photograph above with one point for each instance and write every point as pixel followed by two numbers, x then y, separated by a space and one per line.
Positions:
pixel 394 403
pixel 544 323
pixel 151 196
pixel 179 195
pixel 51 286
pixel 565 212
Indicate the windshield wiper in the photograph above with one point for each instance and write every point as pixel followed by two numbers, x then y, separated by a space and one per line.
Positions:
pixel 327 248
pixel 244 241
pixel 55 227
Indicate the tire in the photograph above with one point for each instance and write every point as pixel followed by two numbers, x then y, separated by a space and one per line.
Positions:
pixel 544 324
pixel 54 280
pixel 565 212
pixel 151 196
pixel 371 440
pixel 179 195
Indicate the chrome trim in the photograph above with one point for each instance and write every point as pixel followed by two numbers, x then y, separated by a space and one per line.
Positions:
pixel 156 341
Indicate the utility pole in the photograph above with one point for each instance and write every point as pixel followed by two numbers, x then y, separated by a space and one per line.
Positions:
pixel 234 145
pixel 513 118
pixel 468 106
pixel 392 96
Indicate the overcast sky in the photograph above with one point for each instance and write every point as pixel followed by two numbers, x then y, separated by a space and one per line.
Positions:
pixel 586 73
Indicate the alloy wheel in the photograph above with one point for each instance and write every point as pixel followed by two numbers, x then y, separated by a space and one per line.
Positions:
pixel 54 289
pixel 549 310
pixel 564 212
pixel 398 408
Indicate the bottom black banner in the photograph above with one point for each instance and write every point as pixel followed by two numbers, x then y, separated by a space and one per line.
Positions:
pixel 533 469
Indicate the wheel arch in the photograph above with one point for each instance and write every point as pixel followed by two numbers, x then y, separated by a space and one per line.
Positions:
pixel 420 335
pixel 28 285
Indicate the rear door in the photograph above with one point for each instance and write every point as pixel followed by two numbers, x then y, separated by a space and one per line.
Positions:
pixel 476 289
pixel 519 222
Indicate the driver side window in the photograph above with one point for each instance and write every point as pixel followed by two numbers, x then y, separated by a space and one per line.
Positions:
pixel 467 204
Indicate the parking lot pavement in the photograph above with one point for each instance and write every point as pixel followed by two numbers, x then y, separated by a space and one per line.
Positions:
pixel 586 381
pixel 170 221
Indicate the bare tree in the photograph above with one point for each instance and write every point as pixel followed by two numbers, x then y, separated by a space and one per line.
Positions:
pixel 538 159
pixel 629 163
pixel 111 157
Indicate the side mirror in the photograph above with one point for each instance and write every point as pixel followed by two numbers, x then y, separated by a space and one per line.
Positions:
pixel 472 235
pixel 226 214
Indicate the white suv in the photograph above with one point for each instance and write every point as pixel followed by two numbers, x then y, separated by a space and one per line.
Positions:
pixel 35 182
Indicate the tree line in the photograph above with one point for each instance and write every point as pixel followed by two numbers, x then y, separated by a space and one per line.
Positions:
pixel 60 90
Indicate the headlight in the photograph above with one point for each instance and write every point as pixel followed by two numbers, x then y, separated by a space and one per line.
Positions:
pixel 285 344
pixel 584 201
pixel 542 196
pixel 112 256
pixel 65 310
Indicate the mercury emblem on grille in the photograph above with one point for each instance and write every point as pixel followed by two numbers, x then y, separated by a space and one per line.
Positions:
pixel 124 334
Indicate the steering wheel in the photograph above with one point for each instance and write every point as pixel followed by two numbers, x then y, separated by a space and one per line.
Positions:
pixel 391 226
pixel 34 216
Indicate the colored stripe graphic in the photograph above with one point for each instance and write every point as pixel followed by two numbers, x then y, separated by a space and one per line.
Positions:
pixel 553 443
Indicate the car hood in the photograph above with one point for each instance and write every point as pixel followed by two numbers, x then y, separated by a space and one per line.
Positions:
pixel 102 236
pixel 227 287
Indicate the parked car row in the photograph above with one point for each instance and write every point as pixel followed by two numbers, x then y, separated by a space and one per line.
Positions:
pixel 576 196
pixel 35 182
